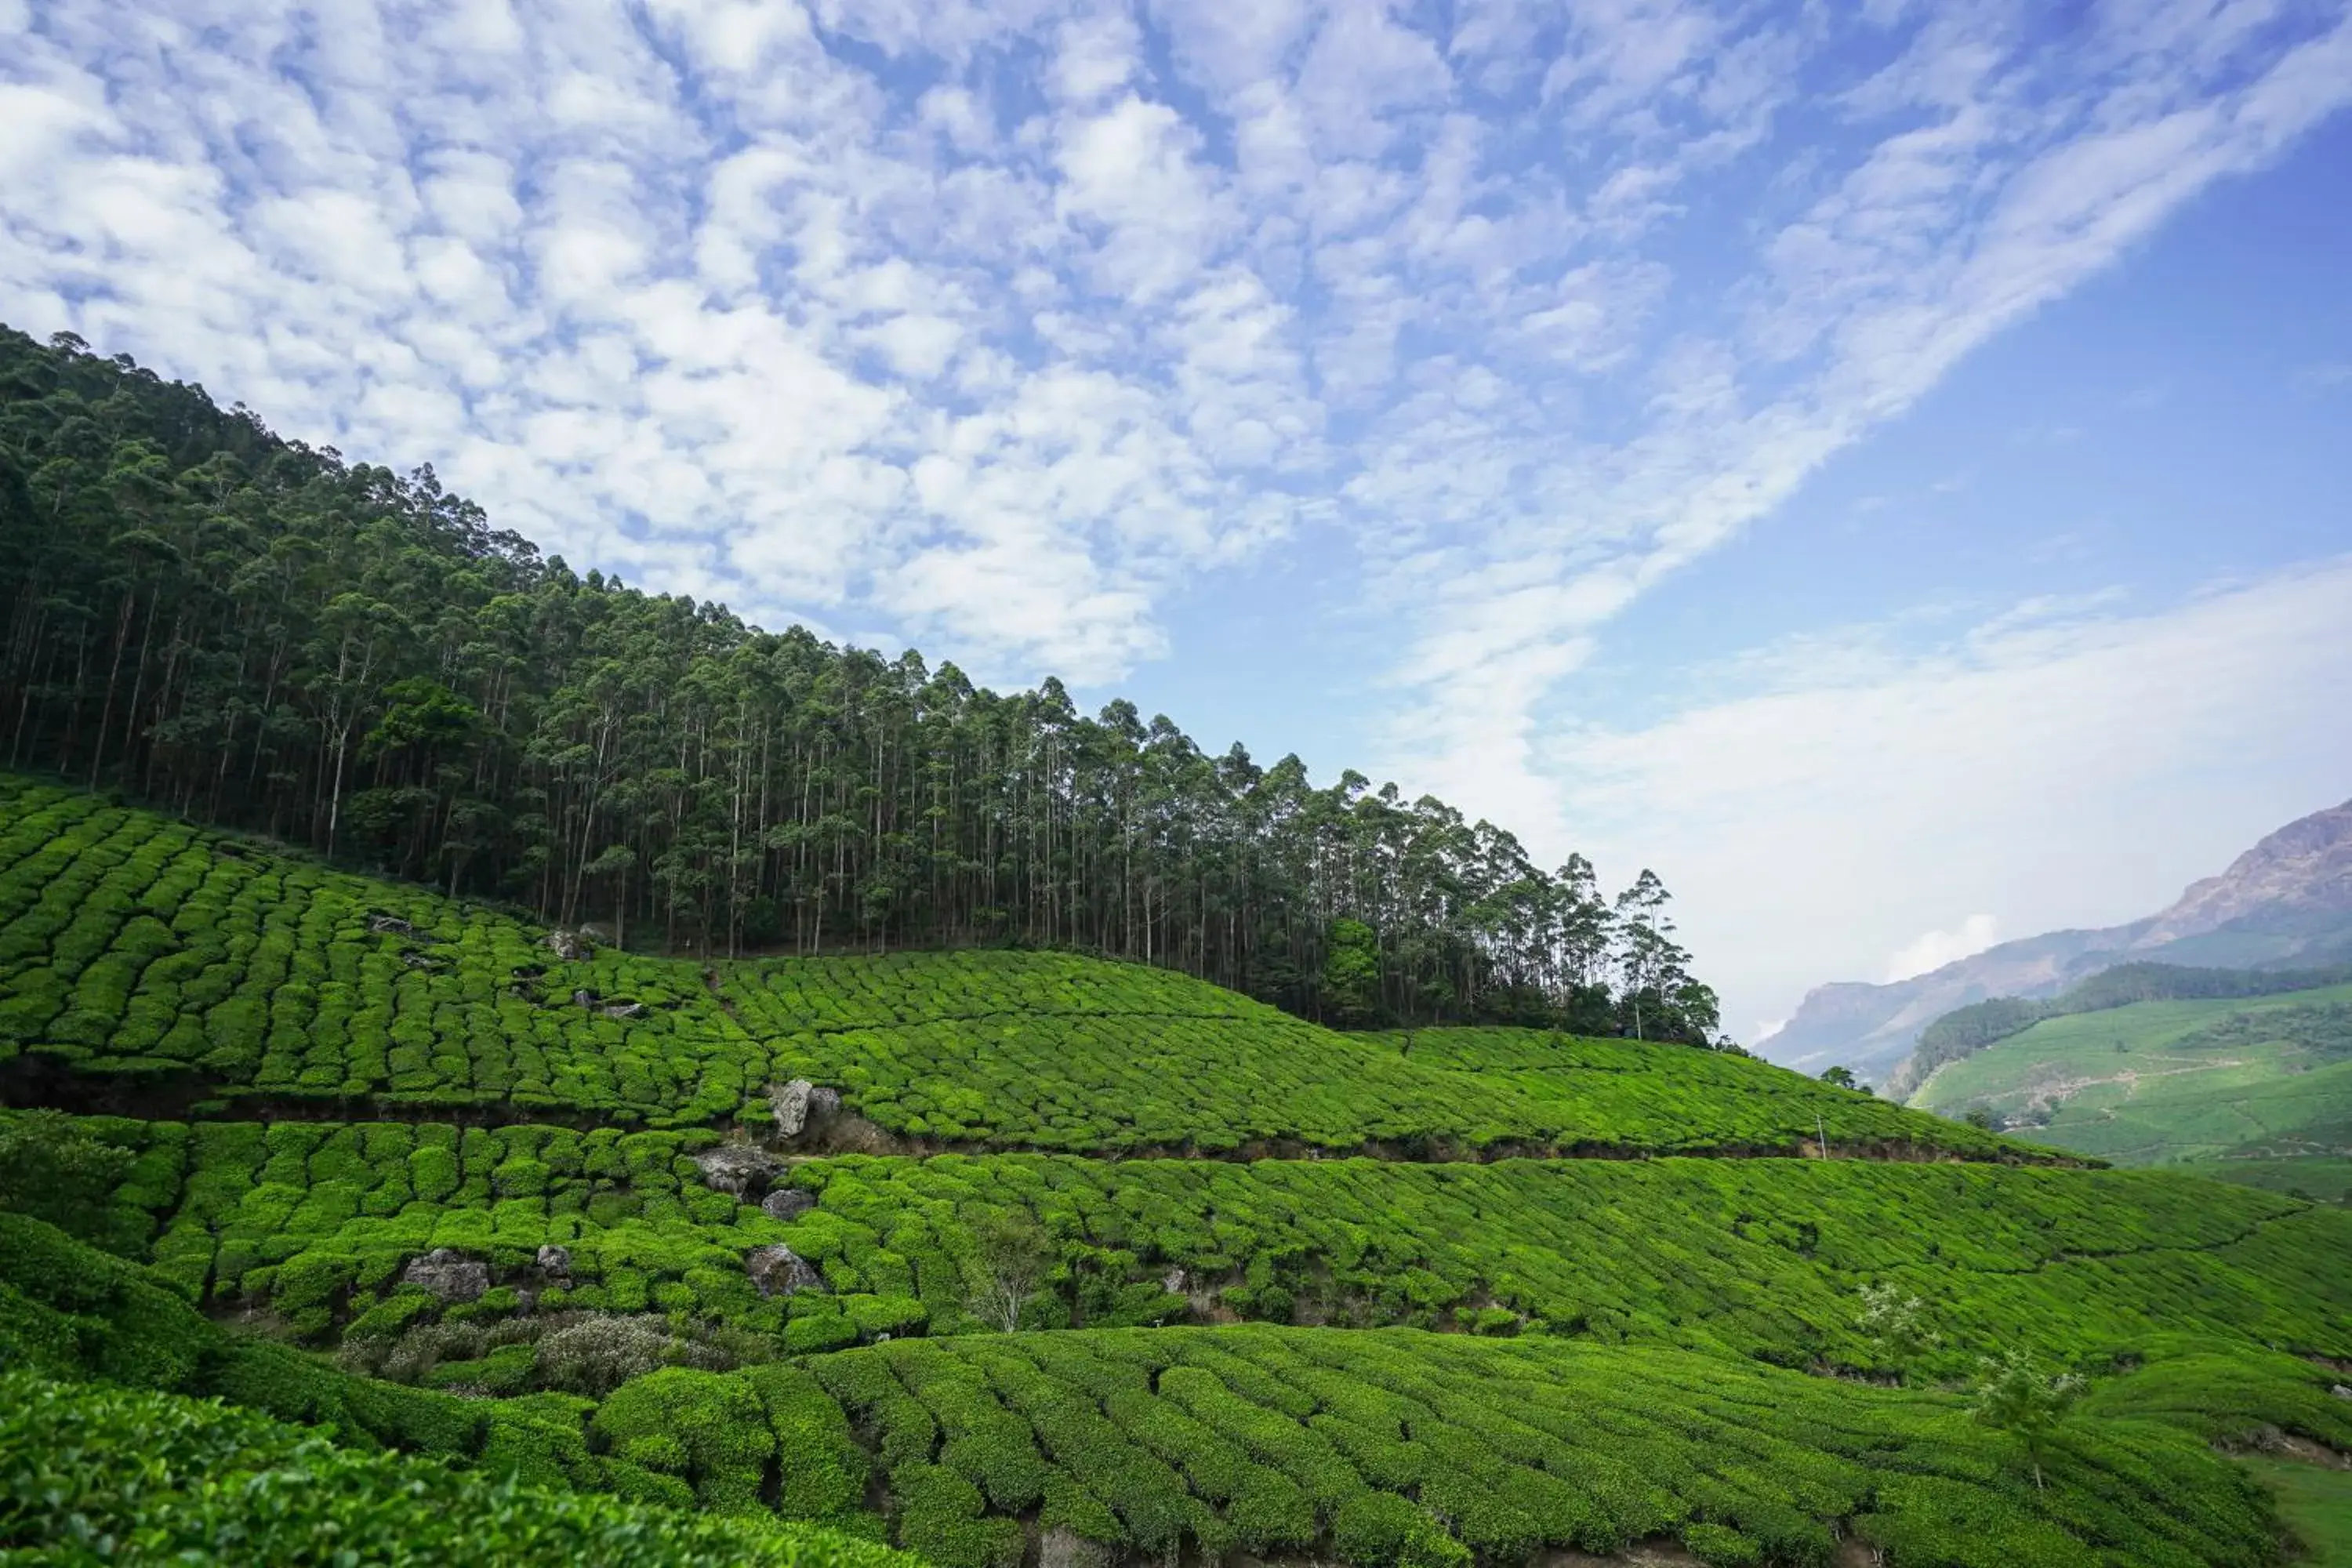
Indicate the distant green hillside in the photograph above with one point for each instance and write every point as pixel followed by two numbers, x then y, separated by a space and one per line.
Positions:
pixel 2157 1082
pixel 1967 1030
pixel 183 970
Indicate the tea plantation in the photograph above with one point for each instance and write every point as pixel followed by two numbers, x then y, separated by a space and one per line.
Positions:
pixel 1370 1447
pixel 427 1226
pixel 1761 1259
pixel 136 949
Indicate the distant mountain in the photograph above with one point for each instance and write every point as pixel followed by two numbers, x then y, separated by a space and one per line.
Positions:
pixel 2285 902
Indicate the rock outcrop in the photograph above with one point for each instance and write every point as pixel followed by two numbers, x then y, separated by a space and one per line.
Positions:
pixel 449 1274
pixel 1064 1548
pixel 571 946
pixel 788 1203
pixel 736 1168
pixel 790 1102
pixel 777 1270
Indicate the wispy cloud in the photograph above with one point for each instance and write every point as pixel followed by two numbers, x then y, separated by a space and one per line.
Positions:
pixel 1932 950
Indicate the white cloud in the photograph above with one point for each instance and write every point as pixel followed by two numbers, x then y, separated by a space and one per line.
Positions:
pixel 1932 950
pixel 2052 769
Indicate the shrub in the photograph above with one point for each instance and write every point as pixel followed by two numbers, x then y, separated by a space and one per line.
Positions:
pixel 54 1169
pixel 209 1484
pixel 597 1354
pixel 1719 1546
pixel 716 1425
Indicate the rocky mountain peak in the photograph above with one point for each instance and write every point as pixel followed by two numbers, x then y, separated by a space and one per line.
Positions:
pixel 2307 865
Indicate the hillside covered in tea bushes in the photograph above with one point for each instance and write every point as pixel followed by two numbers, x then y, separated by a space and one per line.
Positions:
pixel 1334 1309
pixel 315 1222
pixel 1370 1447
pixel 161 966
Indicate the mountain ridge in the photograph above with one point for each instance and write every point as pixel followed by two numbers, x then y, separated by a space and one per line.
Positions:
pixel 2287 899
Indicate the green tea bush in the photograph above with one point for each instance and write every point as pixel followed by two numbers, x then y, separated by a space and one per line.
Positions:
pixel 64 1171
pixel 711 1430
pixel 96 1474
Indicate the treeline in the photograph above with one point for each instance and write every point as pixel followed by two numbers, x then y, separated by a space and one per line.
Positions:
pixel 260 635
pixel 1967 1030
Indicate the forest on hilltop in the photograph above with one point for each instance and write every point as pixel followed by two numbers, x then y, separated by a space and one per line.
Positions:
pixel 259 635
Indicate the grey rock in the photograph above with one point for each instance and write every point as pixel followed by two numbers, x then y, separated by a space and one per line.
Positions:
pixel 777 1270
pixel 824 1103
pixel 568 945
pixel 1061 1548
pixel 734 1167
pixel 788 1203
pixel 790 1104
pixel 390 924
pixel 1172 1281
pixel 449 1274
pixel 624 1010
pixel 2341 1392
pixel 554 1260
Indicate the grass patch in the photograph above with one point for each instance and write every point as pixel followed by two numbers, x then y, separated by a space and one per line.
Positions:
pixel 2315 1500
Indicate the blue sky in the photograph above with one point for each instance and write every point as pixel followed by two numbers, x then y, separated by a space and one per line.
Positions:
pixel 1883 466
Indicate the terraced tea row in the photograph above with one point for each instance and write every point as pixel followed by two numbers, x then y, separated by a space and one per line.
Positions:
pixel 1402 1448
pixel 133 946
pixel 323 1224
pixel 130 943
pixel 1387 1448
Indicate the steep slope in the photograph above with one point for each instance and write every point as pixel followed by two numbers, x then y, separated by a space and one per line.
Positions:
pixel 359 662
pixel 149 966
pixel 2286 902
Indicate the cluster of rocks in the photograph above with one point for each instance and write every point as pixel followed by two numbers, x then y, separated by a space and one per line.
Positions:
pixel 454 1276
pixel 449 1274
pixel 617 1007
pixel 736 1169
pixel 742 1170
pixel 393 925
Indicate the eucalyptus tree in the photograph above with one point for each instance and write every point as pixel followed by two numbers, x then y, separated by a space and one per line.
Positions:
pixel 263 635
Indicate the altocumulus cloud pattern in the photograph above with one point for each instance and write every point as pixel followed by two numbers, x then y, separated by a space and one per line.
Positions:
pixel 988 324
